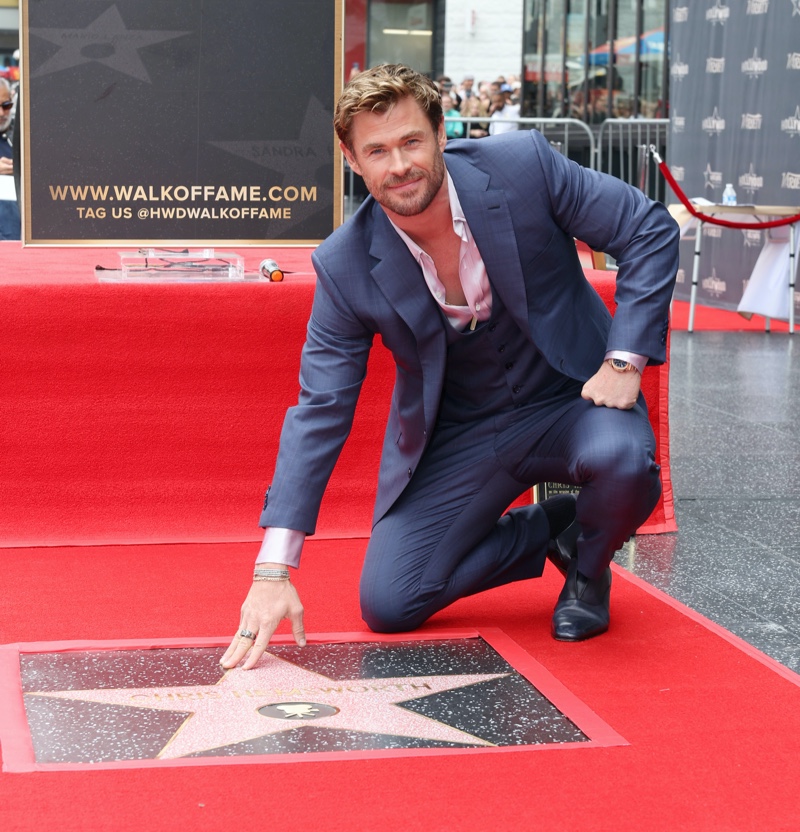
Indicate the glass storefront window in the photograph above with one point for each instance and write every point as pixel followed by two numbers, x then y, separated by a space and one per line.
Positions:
pixel 401 33
pixel 568 70
pixel 653 56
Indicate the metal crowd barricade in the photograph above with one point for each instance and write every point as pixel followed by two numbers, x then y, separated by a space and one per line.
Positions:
pixel 570 136
pixel 622 151
pixel 618 146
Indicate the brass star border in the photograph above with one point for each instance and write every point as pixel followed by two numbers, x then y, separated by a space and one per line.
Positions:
pixel 67 706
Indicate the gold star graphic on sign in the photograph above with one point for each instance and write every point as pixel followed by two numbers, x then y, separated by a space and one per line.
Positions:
pixel 277 696
pixel 106 41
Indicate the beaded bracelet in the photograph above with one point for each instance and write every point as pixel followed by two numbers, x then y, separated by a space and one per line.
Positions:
pixel 271 575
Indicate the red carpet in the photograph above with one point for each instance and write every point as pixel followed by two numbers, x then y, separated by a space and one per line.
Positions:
pixel 138 413
pixel 713 727
pixel 707 318
pixel 149 414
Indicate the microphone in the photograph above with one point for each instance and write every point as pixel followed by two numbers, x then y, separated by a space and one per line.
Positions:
pixel 270 270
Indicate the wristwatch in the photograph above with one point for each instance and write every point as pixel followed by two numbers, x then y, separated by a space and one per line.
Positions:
pixel 620 366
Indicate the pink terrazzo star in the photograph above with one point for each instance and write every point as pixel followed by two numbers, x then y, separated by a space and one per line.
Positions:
pixel 228 712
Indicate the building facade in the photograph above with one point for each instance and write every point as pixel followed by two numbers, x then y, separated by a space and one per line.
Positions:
pixel 570 57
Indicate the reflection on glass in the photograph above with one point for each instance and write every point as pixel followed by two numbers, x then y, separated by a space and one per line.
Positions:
pixel 569 72
pixel 401 33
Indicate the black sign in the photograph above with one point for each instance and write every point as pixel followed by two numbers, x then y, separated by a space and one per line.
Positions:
pixel 183 121
pixel 735 119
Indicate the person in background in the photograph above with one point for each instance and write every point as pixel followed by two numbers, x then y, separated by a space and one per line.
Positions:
pixel 452 129
pixel 474 107
pixel 9 208
pixel 445 85
pixel 502 109
pixel 466 89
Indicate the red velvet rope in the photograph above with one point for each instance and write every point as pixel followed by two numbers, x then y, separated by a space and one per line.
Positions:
pixel 708 217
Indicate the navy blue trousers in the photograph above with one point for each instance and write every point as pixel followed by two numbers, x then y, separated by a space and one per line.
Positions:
pixel 447 536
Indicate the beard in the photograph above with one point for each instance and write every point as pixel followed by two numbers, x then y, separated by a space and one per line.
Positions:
pixel 409 205
pixel 5 121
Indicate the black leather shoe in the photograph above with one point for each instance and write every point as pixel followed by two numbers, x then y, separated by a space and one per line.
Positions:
pixel 582 608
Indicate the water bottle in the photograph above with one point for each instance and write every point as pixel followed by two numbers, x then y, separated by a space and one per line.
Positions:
pixel 729 195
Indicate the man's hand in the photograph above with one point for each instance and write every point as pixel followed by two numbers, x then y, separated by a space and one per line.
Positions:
pixel 6 165
pixel 266 605
pixel 608 388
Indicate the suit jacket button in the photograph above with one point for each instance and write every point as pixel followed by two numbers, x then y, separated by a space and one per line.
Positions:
pixel 409 472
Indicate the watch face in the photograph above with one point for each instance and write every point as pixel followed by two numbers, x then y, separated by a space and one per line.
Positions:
pixel 619 364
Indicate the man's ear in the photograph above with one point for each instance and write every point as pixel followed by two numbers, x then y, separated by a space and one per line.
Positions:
pixel 351 160
pixel 441 135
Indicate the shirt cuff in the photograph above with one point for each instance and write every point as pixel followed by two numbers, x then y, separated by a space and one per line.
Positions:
pixel 282 546
pixel 638 361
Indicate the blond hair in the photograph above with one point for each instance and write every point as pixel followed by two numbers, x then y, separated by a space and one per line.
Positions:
pixel 377 90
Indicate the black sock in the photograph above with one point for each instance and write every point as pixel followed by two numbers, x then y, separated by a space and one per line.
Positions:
pixel 560 512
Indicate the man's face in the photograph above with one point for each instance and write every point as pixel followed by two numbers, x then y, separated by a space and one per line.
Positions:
pixel 399 156
pixel 5 114
pixel 447 103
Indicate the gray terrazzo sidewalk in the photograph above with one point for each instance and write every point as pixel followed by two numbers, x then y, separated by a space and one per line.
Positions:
pixel 735 455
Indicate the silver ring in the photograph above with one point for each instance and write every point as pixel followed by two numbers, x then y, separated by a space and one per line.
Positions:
pixel 247 634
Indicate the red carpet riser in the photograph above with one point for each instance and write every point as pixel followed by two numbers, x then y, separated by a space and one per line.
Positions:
pixel 151 413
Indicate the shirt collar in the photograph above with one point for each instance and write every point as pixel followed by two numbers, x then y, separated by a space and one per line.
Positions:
pixel 456 212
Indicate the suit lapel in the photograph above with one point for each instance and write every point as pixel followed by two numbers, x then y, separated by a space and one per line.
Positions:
pixel 400 278
pixel 489 220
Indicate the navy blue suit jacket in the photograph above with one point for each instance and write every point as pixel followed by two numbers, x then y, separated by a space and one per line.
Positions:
pixel 525 204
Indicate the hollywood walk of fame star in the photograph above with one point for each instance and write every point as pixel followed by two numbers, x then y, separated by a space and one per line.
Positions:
pixel 106 40
pixel 278 696
pixel 795 7
pixel 293 158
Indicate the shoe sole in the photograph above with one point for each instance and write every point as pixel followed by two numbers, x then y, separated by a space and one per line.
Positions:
pixel 585 637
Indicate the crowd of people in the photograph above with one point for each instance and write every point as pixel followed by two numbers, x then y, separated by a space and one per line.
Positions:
pixel 484 109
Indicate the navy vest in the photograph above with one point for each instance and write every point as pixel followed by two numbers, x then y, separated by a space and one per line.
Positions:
pixel 494 369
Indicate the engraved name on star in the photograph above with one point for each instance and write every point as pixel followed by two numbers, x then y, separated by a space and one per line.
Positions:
pixel 293 158
pixel 106 40
pixel 230 711
pixel 311 150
